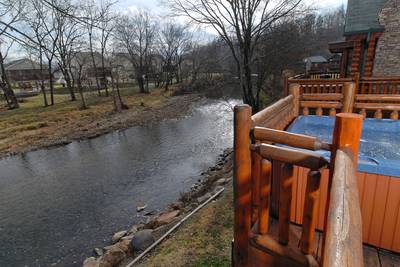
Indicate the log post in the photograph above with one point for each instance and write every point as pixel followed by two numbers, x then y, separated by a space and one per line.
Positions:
pixel 255 181
pixel 285 200
pixel 349 92
pixel 378 114
pixel 346 135
pixel 242 184
pixel 265 191
pixel 295 91
pixel 310 214
pixel 394 115
pixel 332 112
pixel 319 111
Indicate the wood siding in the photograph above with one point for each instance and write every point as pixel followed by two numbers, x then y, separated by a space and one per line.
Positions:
pixel 379 200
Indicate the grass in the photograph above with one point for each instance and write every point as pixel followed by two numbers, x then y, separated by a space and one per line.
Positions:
pixel 32 123
pixel 203 241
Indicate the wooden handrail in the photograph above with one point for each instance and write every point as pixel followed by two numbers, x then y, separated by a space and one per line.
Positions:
pixel 289 139
pixel 343 244
pixel 291 156
pixel 273 112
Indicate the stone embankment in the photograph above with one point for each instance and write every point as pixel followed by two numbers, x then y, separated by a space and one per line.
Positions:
pixel 127 244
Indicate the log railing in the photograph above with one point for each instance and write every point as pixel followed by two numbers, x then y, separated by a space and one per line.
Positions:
pixel 343 245
pixel 263 151
pixel 377 97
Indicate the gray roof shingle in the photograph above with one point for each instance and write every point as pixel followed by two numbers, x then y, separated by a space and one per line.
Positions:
pixel 363 16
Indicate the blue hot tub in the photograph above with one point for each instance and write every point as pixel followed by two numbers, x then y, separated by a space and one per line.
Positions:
pixel 379 144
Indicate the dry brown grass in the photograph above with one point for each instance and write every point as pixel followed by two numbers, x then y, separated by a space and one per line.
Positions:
pixel 33 126
pixel 204 240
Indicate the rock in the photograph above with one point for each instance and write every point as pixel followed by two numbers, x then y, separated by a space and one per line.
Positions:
pixel 141 240
pixel 141 208
pixel 135 228
pixel 221 181
pixel 150 213
pixel 167 217
pixel 203 198
pixel 90 262
pixel 124 244
pixel 108 247
pixel 112 257
pixel 160 231
pixel 98 251
pixel 117 236
pixel 177 205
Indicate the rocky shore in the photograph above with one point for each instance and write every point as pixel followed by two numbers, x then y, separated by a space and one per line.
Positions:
pixel 125 245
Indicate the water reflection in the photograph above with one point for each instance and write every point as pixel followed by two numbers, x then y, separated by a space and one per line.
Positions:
pixel 58 204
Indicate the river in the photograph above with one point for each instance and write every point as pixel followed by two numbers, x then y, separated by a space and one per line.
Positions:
pixel 57 204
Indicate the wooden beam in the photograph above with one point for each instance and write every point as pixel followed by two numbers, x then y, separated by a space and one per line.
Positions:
pixel 292 156
pixel 242 184
pixel 290 139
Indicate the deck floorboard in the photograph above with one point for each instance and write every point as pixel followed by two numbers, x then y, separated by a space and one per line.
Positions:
pixel 373 257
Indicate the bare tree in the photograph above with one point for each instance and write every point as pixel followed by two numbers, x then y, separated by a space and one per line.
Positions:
pixel 68 31
pixel 79 63
pixel 10 13
pixel 135 35
pixel 107 26
pixel 240 23
pixel 173 43
pixel 35 20
pixel 91 12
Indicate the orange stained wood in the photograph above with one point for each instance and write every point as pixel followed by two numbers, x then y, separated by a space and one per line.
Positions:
pixel 242 184
pixel 265 192
pixel 379 200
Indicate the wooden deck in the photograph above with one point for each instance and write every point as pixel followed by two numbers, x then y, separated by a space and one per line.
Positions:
pixel 373 257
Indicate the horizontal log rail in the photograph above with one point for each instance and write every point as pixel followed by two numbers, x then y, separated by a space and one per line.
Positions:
pixel 292 156
pixel 378 98
pixel 289 139
pixel 274 115
pixel 325 97
pixel 343 245
pixel 321 104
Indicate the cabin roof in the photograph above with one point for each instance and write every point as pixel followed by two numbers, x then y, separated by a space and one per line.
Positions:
pixel 23 64
pixel 363 16
pixel 316 59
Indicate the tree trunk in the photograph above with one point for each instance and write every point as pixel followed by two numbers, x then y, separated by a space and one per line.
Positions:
pixel 42 87
pixel 69 85
pixel 113 94
pixel 94 63
pixel 140 81
pixel 12 101
pixel 51 84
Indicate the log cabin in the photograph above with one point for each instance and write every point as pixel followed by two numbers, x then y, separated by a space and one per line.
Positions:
pixel 317 174
pixel 372 39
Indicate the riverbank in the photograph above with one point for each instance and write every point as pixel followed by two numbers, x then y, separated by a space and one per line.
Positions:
pixel 203 240
pixel 32 126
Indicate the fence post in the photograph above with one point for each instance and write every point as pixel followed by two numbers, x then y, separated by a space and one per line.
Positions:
pixel 346 134
pixel 242 184
pixel 294 90
pixel 349 94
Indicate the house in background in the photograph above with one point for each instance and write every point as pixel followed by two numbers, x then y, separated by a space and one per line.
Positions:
pixel 25 73
pixel 320 67
pixel 372 39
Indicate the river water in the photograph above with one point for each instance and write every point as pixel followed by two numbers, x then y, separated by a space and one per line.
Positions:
pixel 57 204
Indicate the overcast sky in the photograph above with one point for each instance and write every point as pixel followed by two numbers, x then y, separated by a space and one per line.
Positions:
pixel 155 6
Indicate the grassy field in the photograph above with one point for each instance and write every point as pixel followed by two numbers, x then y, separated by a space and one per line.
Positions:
pixel 203 241
pixel 33 125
